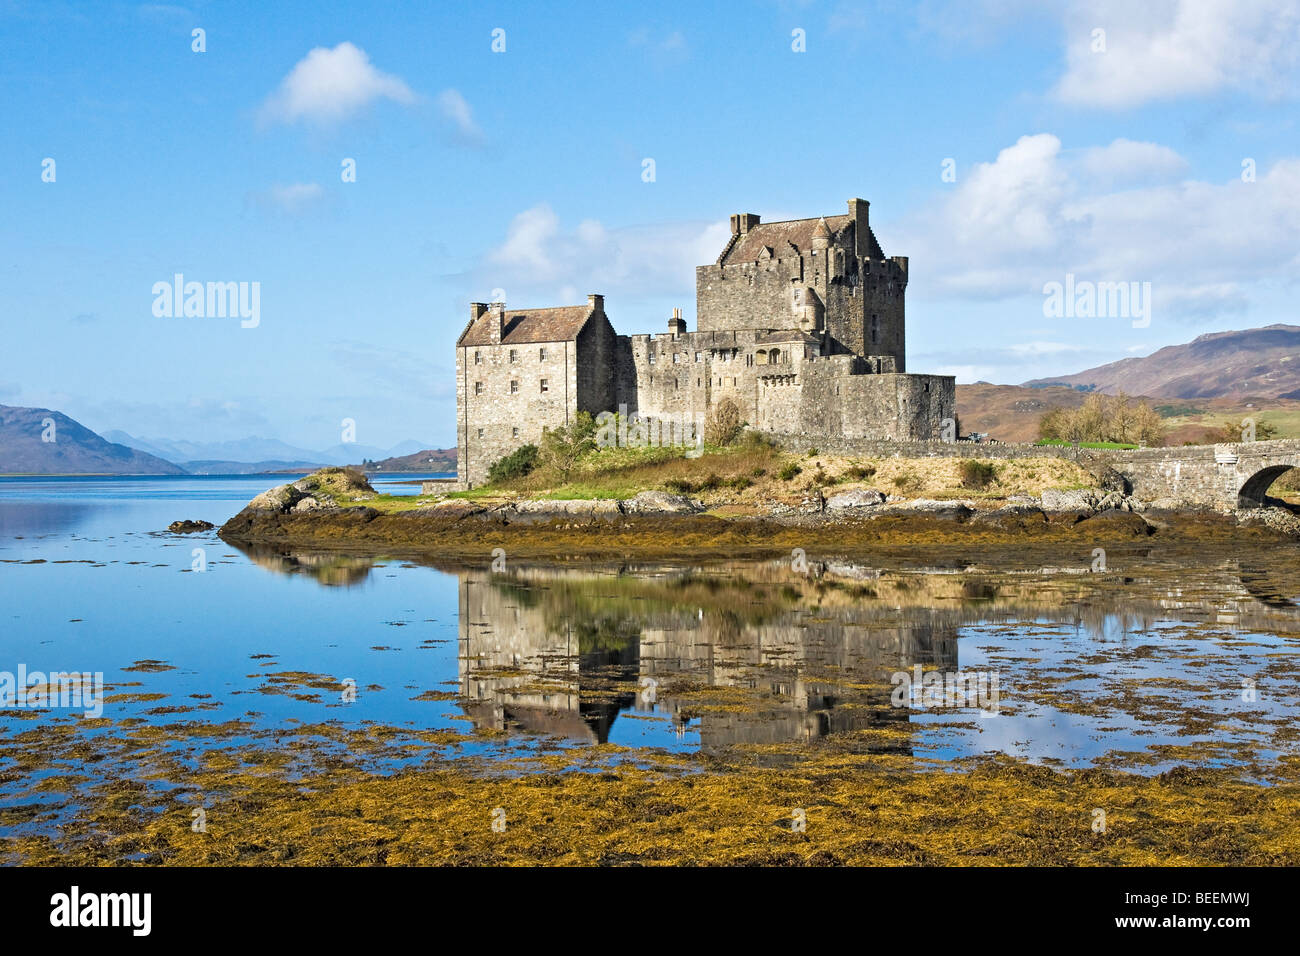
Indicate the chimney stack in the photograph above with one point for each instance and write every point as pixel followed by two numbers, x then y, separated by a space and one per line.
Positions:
pixel 596 303
pixel 677 325
pixel 497 322
pixel 741 223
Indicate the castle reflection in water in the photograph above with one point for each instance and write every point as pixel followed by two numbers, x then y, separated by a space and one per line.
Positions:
pixel 564 654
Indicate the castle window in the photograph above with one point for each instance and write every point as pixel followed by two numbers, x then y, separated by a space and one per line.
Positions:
pixel 545 387
pixel 480 433
pixel 541 354
pixel 697 356
pixel 514 433
pixel 478 358
pixel 875 329
pixel 651 357
pixel 514 388
pixel 733 380
pixel 773 356
pixel 478 388
pixel 514 355
pixel 676 357
pixel 697 383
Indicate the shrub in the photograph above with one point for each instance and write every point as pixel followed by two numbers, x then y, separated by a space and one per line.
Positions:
pixel 860 472
pixel 680 486
pixel 517 464
pixel 723 425
pixel 789 472
pixel 812 452
pixel 565 445
pixel 758 472
pixel 977 474
pixel 906 481
pixel 740 482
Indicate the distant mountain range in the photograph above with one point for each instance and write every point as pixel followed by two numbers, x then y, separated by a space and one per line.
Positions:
pixel 260 451
pixel 1255 363
pixel 39 441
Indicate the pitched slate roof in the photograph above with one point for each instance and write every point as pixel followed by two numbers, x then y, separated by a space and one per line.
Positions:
pixel 522 326
pixel 780 236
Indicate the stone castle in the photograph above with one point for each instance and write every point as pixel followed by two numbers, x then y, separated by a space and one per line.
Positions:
pixel 800 323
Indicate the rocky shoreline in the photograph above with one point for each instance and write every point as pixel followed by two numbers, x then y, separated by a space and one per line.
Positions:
pixel 333 510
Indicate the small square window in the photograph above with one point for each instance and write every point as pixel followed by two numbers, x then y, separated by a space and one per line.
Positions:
pixel 676 357
pixel 514 433
pixel 697 356
pixel 478 358
pixel 478 388
pixel 514 355
pixel 480 433
pixel 541 354
pixel 514 388
pixel 545 386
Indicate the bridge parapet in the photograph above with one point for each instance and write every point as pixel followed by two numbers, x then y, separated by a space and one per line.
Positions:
pixel 1223 477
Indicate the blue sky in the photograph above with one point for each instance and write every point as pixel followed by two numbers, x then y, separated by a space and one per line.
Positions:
pixel 522 171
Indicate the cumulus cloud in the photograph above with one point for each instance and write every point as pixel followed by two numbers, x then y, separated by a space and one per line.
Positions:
pixel 328 86
pixel 541 262
pixel 457 112
pixel 1116 213
pixel 1162 49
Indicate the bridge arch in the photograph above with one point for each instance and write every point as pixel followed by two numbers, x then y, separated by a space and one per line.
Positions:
pixel 1254 491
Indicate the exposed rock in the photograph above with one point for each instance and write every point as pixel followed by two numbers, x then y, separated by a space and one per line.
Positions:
pixel 1079 499
pixel 661 502
pixel 312 504
pixel 189 526
pixel 1013 517
pixel 1279 519
pixel 861 498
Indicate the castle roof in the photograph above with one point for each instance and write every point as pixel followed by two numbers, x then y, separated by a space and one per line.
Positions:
pixel 798 233
pixel 787 335
pixel 522 326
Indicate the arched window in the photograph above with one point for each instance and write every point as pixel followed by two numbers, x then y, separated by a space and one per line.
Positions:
pixel 773 356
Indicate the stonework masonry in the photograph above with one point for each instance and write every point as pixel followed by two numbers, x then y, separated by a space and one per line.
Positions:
pixel 801 324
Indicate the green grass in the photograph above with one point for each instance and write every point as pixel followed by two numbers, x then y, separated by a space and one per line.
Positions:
pixel 1062 443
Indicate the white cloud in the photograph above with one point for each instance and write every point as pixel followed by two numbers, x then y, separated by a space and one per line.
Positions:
pixel 457 111
pixel 1037 213
pixel 542 263
pixel 1162 49
pixel 292 199
pixel 328 86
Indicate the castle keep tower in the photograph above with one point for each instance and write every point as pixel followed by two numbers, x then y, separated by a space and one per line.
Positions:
pixel 777 274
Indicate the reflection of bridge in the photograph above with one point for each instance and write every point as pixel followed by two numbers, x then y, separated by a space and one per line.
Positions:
pixel 1223 477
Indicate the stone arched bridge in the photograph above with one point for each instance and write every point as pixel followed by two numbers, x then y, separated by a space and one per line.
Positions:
pixel 1224 477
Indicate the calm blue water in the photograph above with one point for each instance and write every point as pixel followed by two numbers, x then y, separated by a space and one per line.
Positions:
pixel 91 581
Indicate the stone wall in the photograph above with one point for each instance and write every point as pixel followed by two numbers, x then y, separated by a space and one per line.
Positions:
pixel 500 402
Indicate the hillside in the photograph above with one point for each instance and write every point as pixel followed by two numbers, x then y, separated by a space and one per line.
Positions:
pixel 429 459
pixel 75 450
pixel 1254 363
pixel 1010 412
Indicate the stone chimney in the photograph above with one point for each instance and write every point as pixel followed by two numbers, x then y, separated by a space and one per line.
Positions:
pixel 596 303
pixel 742 222
pixel 859 212
pixel 677 325
pixel 497 321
